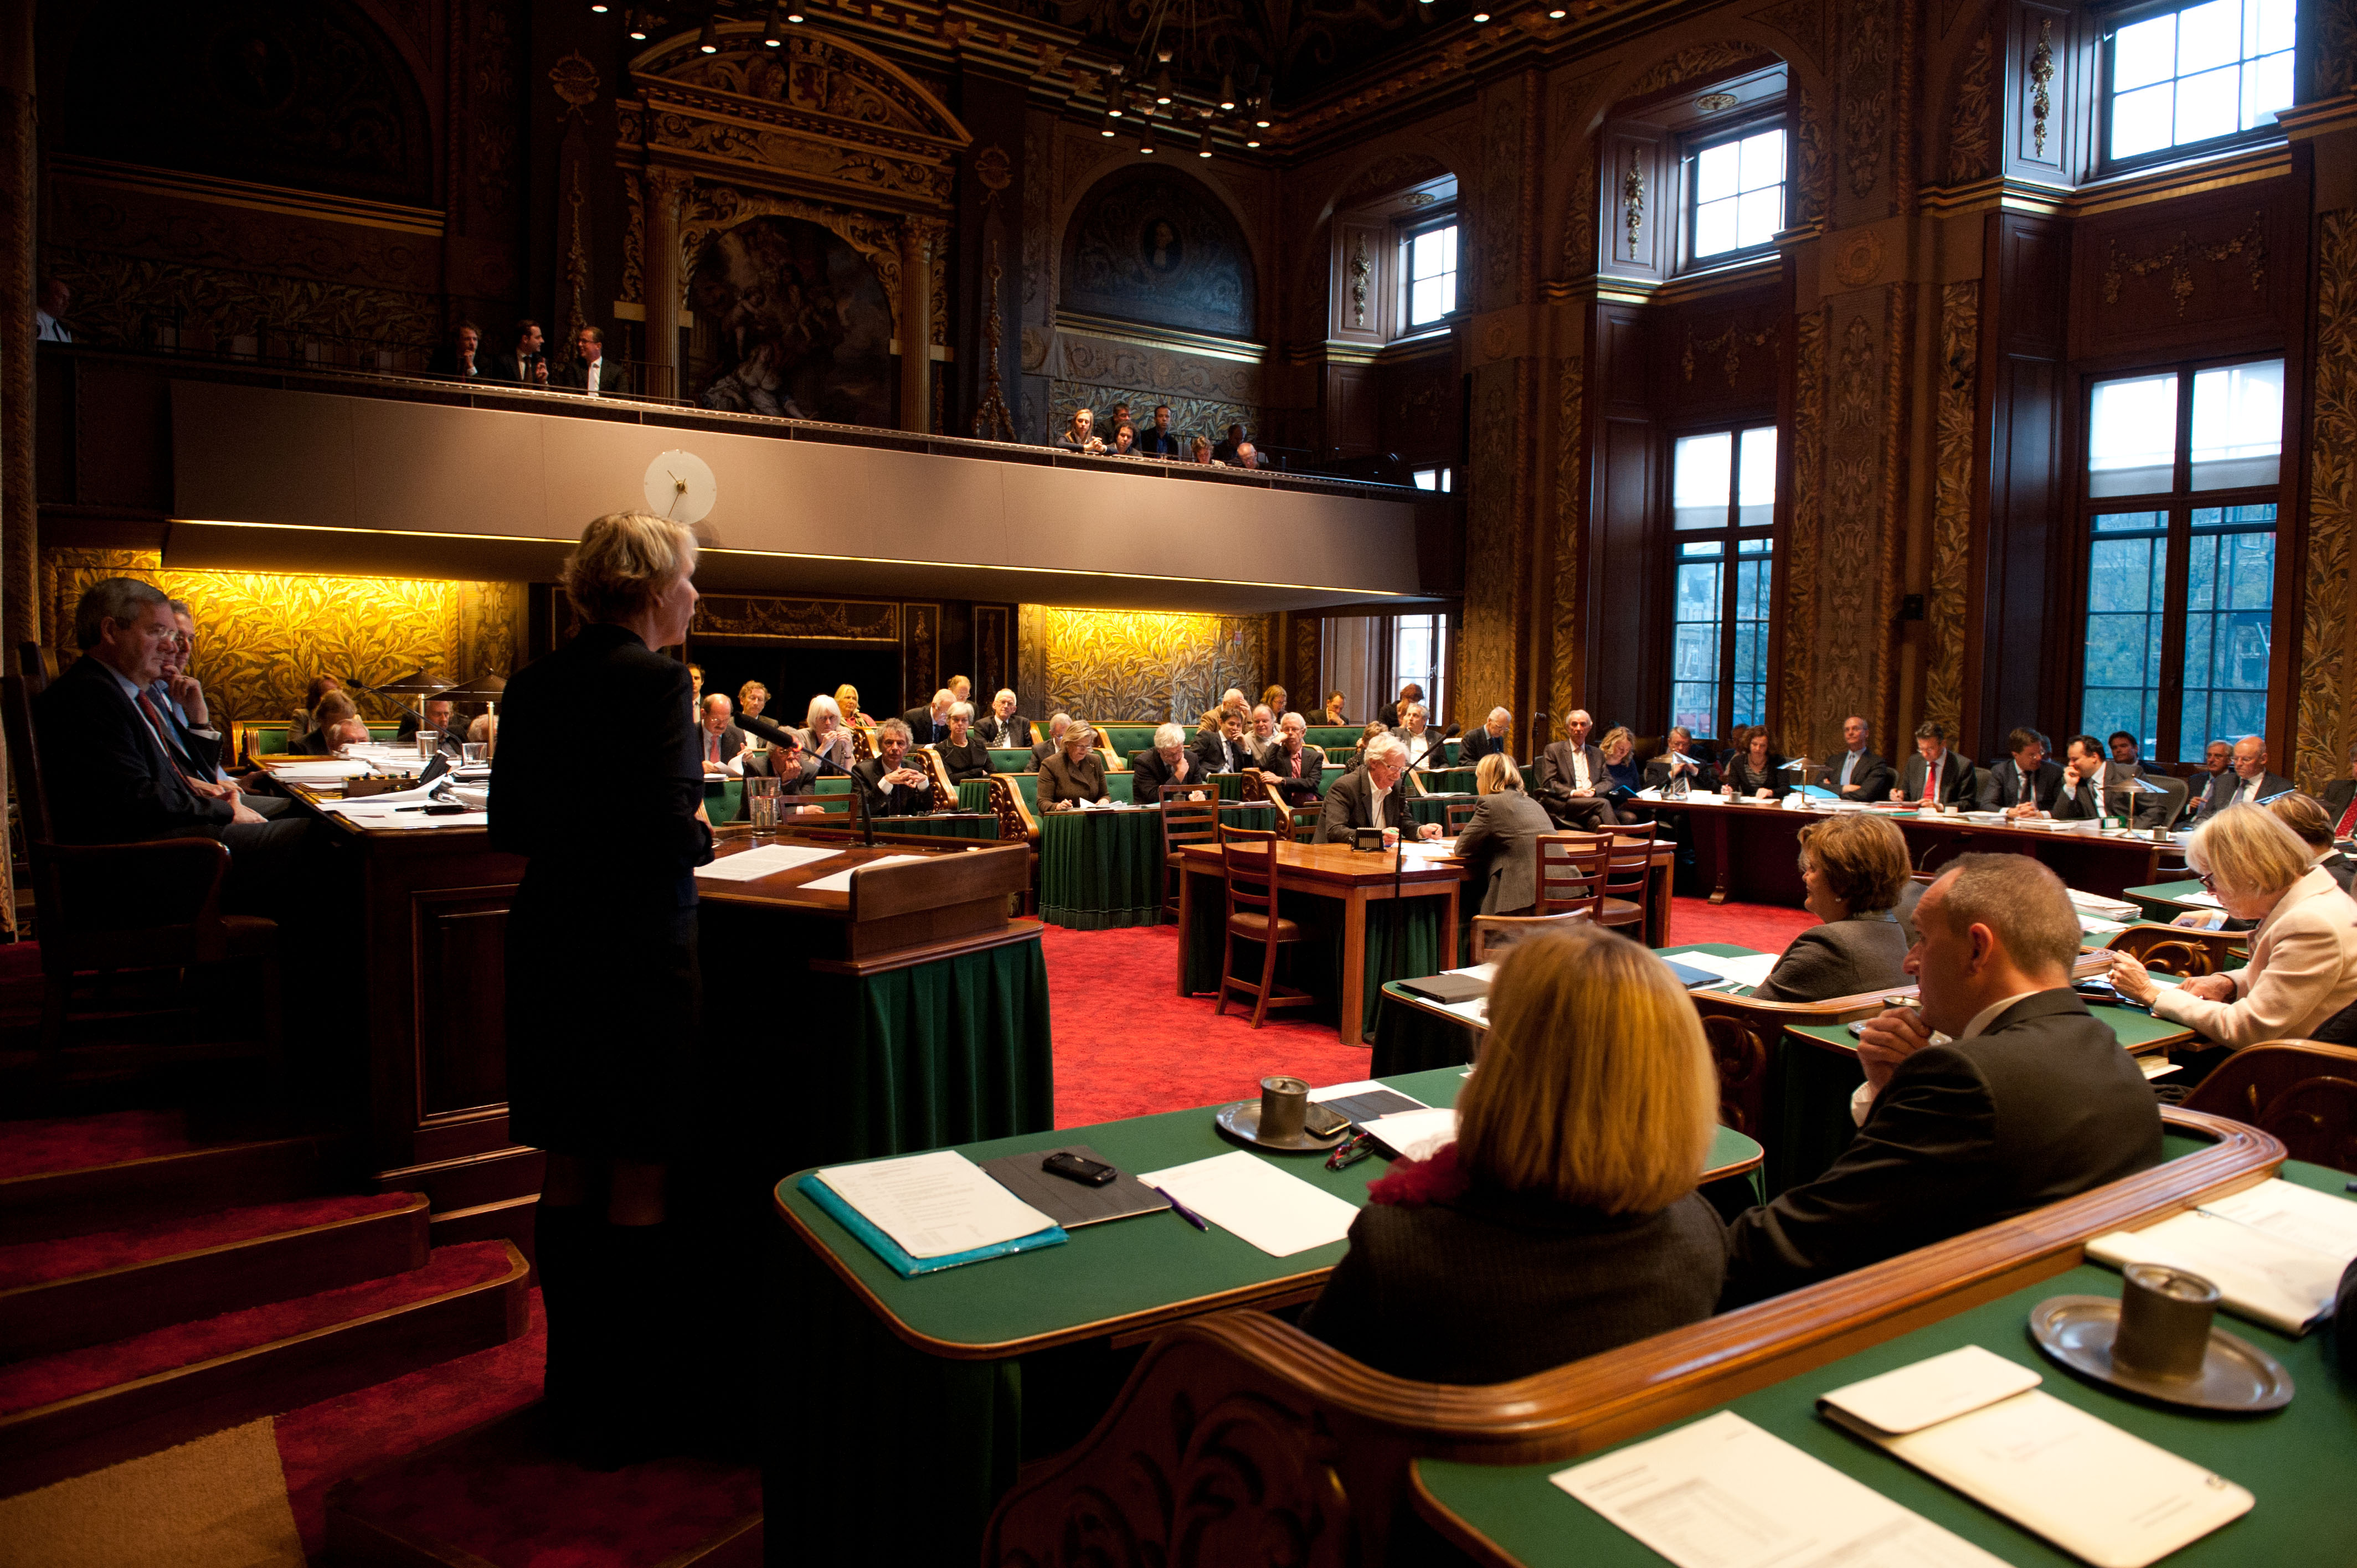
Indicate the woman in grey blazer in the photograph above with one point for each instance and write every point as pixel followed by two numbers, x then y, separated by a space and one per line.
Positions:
pixel 1855 867
pixel 1500 844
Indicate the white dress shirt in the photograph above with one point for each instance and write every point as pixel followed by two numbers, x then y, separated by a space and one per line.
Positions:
pixel 589 375
pixel 48 328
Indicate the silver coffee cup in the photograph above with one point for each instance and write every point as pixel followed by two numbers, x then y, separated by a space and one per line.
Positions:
pixel 2164 1316
pixel 1283 1103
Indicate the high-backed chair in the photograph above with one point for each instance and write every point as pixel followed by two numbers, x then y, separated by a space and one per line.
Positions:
pixel 1493 934
pixel 1014 814
pixel 38 665
pixel 1303 821
pixel 1627 882
pixel 2302 1092
pixel 1571 874
pixel 1189 815
pixel 1459 814
pixel 1248 860
pixel 944 792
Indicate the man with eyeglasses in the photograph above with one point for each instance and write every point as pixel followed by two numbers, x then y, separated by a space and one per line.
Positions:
pixel 2246 782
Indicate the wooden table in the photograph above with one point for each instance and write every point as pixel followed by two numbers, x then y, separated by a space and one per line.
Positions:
pixel 2164 901
pixel 1750 851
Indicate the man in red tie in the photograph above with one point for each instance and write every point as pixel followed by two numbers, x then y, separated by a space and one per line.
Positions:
pixel 2341 800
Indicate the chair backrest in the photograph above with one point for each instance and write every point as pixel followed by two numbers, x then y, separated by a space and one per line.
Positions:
pixel 1628 869
pixel 1572 867
pixel 1248 859
pixel 944 796
pixel 1459 814
pixel 38 665
pixel 1493 934
pixel 25 757
pixel 1014 814
pixel 1305 820
pixel 2181 950
pixel 1189 818
pixel 863 743
pixel 2302 1092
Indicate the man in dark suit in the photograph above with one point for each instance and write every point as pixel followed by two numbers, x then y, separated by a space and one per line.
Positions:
pixel 2341 800
pixel 2217 757
pixel 591 372
pixel 525 362
pixel 1053 744
pixel 1224 750
pixel 1295 769
pixel 888 786
pixel 1157 439
pixel 1369 796
pixel 2025 784
pixel 719 740
pixel 1001 727
pixel 461 356
pixel 1681 762
pixel 1935 773
pixel 2030 1101
pixel 1263 736
pixel 1490 737
pixel 115 775
pixel 2247 782
pixel 1859 773
pixel 1572 778
pixel 1169 762
pixel 2088 789
pixel 929 725
pixel 441 716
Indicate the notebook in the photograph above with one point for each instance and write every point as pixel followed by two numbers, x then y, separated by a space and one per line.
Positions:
pixel 1071 1204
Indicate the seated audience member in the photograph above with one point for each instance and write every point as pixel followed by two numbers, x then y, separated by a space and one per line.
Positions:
pixel 1859 773
pixel 1247 456
pixel 1425 749
pixel 1409 695
pixel 962 690
pixel 2304 815
pixel 1754 771
pixel 441 716
pixel 794 769
pixel 2246 782
pixel 826 739
pixel 1124 441
pixel 1199 451
pixel 179 697
pixel 1080 435
pixel 484 731
pixel 1500 842
pixel 1076 773
pixel 2025 784
pixel 1273 698
pixel 1169 763
pixel 1225 452
pixel 1119 416
pixel 887 785
pixel 2094 786
pixel 1855 868
pixel 2217 760
pixel 1262 738
pixel 457 355
pixel 1001 727
pixel 1295 769
pixel 2303 967
pixel 696 679
pixel 846 703
pixel 1157 439
pixel 1935 774
pixel 1571 777
pixel 1680 762
pixel 1057 725
pixel 719 740
pixel 1231 702
pixel 1620 748
pixel 752 698
pixel 2127 754
pixel 334 724
pixel 591 372
pixel 1224 750
pixel 2027 1101
pixel 1368 732
pixel 1489 738
pixel 962 755
pixel 1369 796
pixel 521 361
pixel 114 777
pixel 1334 715
pixel 2341 800
pixel 49 323
pixel 299 722
pixel 928 724
pixel 1564 1221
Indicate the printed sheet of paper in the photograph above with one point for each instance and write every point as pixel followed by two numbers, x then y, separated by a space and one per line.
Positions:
pixel 1248 1197
pixel 322 771
pixel 1748 969
pixel 1473 1010
pixel 1414 1135
pixel 1482 972
pixel 766 859
pixel 2289 1212
pixel 1944 1387
pixel 1723 1494
pixel 841 881
pixel 412 822
pixel 2258 1274
pixel 935 1204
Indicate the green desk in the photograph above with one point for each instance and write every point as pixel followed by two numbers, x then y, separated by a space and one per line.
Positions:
pixel 1450 780
pixel 2298 1462
pixel 2164 901
pixel 1099 870
pixel 898 1409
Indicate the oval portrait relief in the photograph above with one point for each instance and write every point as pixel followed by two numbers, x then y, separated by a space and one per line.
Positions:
pixel 1160 248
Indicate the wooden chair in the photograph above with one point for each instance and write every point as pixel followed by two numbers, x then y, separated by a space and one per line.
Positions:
pixel 1015 818
pixel 1190 814
pixel 1628 881
pixel 1493 934
pixel 105 908
pixel 1459 814
pixel 1572 868
pixel 38 665
pixel 1249 861
pixel 863 743
pixel 2181 950
pixel 2302 1092
pixel 1303 823
pixel 944 792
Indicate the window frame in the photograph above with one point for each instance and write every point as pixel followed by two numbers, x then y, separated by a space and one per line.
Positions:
pixel 1405 234
pixel 1691 146
pixel 1731 535
pixel 2178 504
pixel 2107 25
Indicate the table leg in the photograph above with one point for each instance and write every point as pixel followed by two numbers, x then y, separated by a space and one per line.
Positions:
pixel 1350 1009
pixel 1718 846
pixel 1448 929
pixel 1657 909
pixel 1185 913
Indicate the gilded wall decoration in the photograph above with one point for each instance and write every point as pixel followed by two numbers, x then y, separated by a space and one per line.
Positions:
pixel 1386 174
pixel 1109 360
pixel 1133 665
pixel 1848 668
pixel 1800 724
pixel 1803 21
pixel 810 80
pixel 1486 658
pixel 262 635
pixel 634 242
pixel 1360 269
pixel 2175 259
pixel 1570 525
pixel 1854 378
pixel 1579 218
pixel 1951 520
pixel 2042 85
pixel 767 617
pixel 2336 48
pixel 1632 201
pixel 117 297
pixel 2326 662
pixel 1151 245
pixel 1865 94
pixel 1729 344
pixel 1972 154
pixel 1037 281
pixel 1692 63
pixel 994 662
pixel 1812 164
pixel 921 653
pixel 860 171
pixel 493 99
pixel 1501 182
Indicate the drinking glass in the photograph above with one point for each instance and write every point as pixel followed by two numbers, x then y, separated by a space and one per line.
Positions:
pixel 427 740
pixel 474 753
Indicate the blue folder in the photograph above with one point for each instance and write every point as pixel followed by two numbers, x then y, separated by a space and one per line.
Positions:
pixel 1819 792
pixel 897 1257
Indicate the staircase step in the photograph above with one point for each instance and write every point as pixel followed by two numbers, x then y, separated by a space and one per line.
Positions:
pixel 86 1290
pixel 511 1217
pixel 76 1142
pixel 494 1495
pixel 472 1180
pixel 76 1410
pixel 42 1205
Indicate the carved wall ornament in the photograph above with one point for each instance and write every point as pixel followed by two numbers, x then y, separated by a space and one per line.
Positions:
pixel 2336 48
pixel 1797 584
pixel 1495 558
pixel 1865 94
pixel 1858 260
pixel 1569 521
pixel 1580 214
pixel 1501 178
pixel 2041 84
pixel 1361 269
pixel 1970 118
pixel 1853 380
pixel 1717 103
pixel 1633 200
pixel 1813 162
pixel 1152 245
pixel 996 170
pixel 1496 339
pixel 1729 341
pixel 1693 62
pixel 1803 21
pixel 575 79
pixel 1390 174
pixel 1953 427
pixel 816 82
pixel 2326 656
pixel 1418 198
pixel 771 617
pixel 992 418
pixel 2176 260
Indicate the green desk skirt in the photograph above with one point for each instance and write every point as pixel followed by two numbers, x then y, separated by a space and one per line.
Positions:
pixel 1314 963
pixel 1099 870
pixel 1450 780
pixel 1434 808
pixel 959 824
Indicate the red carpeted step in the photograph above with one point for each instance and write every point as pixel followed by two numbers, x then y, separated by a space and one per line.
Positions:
pixel 64 1413
pixel 495 1494
pixel 85 1290
pixel 75 1143
pixel 54 1201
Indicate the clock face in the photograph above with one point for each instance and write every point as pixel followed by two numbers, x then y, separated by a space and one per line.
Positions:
pixel 680 487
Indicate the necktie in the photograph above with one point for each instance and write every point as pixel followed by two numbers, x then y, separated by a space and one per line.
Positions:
pixel 163 736
pixel 2348 824
pixel 711 747
pixel 1931 782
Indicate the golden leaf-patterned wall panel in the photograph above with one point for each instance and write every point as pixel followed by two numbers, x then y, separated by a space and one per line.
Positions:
pixel 261 636
pixel 1951 520
pixel 2325 663
pixel 1133 665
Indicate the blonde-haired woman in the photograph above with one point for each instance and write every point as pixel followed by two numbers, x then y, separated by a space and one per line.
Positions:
pixel 1564 1221
pixel 2303 967
pixel 846 703
pixel 826 739
pixel 602 988
pixel 1500 842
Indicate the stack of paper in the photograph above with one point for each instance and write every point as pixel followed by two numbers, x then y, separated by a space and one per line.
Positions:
pixel 321 770
pixel 1748 969
pixel 840 882
pixel 1248 1197
pixel 2276 1251
pixel 1414 1135
pixel 932 1208
pixel 766 860
pixel 2103 909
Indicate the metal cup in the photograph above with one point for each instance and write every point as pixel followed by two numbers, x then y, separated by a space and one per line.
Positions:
pixel 1283 1103
pixel 2164 1316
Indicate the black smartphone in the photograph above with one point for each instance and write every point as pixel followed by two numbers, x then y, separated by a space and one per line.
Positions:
pixel 1322 1122
pixel 1075 1167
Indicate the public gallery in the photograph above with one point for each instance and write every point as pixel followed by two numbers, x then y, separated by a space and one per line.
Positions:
pixel 1113 785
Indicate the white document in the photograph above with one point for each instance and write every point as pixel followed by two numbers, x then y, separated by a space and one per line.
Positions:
pixel 2102 907
pixel 1748 969
pixel 410 822
pixel 2289 1212
pixel 1473 1010
pixel 2089 925
pixel 1721 1493
pixel 840 882
pixel 766 860
pixel 1252 1199
pixel 2280 1284
pixel 1482 972
pixel 1941 1388
pixel 1414 1135
pixel 935 1204
pixel 384 801
pixel 2202 901
pixel 323 770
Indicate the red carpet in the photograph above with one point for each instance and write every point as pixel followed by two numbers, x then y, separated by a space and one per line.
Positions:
pixel 1128 1045
pixel 74 1143
pixel 38 1260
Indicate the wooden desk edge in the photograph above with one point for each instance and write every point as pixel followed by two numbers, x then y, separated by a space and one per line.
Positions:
pixel 907 957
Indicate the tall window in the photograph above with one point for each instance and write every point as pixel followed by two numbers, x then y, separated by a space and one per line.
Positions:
pixel 1735 192
pixel 2180 508
pixel 1420 653
pixel 2192 75
pixel 1723 501
pixel 1431 274
pixel 1432 479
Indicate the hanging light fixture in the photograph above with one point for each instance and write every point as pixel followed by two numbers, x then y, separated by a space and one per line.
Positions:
pixel 709 40
pixel 793 18
pixel 1108 129
pixel 636 25
pixel 1252 140
pixel 769 39
pixel 598 10
pixel 1145 139
pixel 1227 92
pixel 1203 143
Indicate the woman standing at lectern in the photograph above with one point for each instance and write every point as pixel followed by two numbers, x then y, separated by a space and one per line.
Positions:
pixel 602 988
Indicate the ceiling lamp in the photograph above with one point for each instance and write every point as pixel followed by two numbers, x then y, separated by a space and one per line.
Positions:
pixel 1162 88
pixel 709 41
pixel 1110 118
pixel 1227 92
pixel 769 38
pixel 1145 139
pixel 1481 15
pixel 1556 15
pixel 1203 143
pixel 793 18
pixel 1252 141
pixel 636 25
pixel 599 9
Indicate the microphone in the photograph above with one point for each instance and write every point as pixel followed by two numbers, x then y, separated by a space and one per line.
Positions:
pixel 1430 743
pixel 769 730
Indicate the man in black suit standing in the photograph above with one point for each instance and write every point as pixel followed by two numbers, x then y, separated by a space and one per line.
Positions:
pixel 2341 800
pixel 1859 773
pixel 2027 1101
pixel 525 362
pixel 1369 796
pixel 1490 737
pixel 2025 784
pixel 2247 782
pixel 930 724
pixel 1935 774
pixel 888 787
pixel 1572 778
pixel 114 775
pixel 591 372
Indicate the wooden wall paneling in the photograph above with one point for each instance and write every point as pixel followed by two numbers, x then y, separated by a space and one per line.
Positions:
pixel 1626 673
pixel 2218 268
pixel 1639 215
pixel 1351 429
pixel 920 654
pixel 2025 577
pixel 2050 130
pixel 462 937
pixel 994 653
